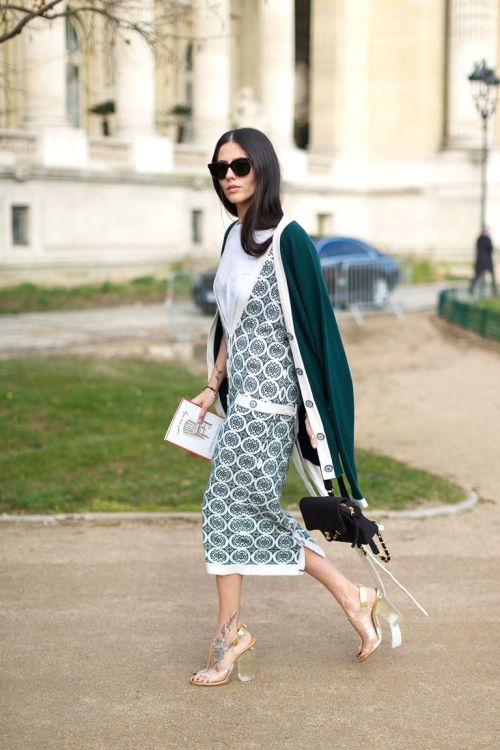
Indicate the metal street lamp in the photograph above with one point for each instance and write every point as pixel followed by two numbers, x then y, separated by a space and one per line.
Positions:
pixel 484 86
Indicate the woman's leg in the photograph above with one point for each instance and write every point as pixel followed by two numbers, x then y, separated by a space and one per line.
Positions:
pixel 229 589
pixel 222 653
pixel 346 594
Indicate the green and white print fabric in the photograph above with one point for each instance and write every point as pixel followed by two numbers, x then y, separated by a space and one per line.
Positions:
pixel 245 528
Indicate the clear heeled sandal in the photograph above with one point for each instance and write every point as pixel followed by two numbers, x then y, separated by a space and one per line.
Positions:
pixel 363 602
pixel 384 609
pixel 245 661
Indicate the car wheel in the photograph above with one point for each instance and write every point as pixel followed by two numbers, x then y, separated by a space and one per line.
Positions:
pixel 380 292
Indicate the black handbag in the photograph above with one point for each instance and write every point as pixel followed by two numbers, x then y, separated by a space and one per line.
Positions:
pixel 341 519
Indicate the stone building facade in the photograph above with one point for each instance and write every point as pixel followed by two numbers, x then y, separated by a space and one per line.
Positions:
pixel 366 101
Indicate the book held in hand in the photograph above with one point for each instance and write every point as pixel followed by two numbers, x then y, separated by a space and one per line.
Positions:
pixel 186 431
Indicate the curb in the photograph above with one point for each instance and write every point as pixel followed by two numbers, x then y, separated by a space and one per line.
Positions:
pixel 438 510
pixel 195 517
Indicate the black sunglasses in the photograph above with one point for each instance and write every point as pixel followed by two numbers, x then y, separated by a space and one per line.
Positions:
pixel 240 167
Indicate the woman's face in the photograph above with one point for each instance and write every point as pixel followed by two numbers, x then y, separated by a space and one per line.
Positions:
pixel 238 190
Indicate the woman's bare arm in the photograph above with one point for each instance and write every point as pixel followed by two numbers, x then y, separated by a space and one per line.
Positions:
pixel 219 371
pixel 207 397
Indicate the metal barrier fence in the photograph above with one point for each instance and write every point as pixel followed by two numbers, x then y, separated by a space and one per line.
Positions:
pixel 353 286
pixel 366 285
pixel 458 306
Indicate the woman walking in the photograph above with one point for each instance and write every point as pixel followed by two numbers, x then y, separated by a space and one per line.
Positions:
pixel 279 375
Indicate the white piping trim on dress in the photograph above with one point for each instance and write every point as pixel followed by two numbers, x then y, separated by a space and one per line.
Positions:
pixel 310 544
pixel 248 570
pixel 267 407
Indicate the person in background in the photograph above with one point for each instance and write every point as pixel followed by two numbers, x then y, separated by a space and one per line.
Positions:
pixel 484 260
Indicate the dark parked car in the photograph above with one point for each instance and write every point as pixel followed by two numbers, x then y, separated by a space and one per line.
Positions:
pixel 355 272
pixel 203 291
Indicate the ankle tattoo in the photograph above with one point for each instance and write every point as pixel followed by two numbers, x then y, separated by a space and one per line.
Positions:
pixel 221 645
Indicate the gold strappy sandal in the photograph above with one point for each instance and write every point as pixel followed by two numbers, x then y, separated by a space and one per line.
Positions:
pixel 245 661
pixel 363 601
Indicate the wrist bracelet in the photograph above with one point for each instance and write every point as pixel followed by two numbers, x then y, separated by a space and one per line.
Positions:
pixel 212 389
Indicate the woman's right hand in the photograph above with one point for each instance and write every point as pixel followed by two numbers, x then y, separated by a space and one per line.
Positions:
pixel 312 436
pixel 204 400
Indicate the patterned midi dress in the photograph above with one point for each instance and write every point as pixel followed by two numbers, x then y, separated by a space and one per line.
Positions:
pixel 245 528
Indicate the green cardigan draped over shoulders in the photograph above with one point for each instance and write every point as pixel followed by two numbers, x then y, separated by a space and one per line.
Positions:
pixel 321 348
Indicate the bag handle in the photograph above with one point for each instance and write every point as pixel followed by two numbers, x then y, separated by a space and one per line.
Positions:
pixel 342 488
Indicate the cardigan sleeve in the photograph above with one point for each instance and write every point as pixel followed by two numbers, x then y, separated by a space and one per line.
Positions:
pixel 321 348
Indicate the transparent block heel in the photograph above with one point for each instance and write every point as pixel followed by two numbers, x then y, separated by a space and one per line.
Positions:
pixel 389 612
pixel 246 665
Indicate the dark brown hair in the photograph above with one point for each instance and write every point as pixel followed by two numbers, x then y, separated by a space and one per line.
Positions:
pixel 264 211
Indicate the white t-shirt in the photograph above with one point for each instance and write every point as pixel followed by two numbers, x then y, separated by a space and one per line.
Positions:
pixel 236 274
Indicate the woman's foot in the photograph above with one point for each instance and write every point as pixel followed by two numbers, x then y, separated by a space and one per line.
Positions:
pixel 222 657
pixel 362 614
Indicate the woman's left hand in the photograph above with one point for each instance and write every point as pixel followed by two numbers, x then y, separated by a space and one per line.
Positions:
pixel 312 436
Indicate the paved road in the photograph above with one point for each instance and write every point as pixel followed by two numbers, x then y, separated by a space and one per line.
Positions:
pixel 102 624
pixel 48 333
pixel 142 329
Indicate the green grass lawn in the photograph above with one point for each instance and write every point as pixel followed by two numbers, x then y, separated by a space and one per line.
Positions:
pixel 87 435
pixel 144 289
pixel 427 271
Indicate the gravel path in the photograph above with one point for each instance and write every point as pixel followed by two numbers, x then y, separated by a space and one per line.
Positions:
pixel 427 395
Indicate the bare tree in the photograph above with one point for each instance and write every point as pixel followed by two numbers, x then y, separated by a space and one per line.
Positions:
pixel 104 24
pixel 123 16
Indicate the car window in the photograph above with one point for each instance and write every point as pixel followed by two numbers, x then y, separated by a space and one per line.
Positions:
pixel 341 248
pixel 328 250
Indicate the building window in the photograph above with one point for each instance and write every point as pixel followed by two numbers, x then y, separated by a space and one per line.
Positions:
pixel 73 60
pixel 196 226
pixel 20 225
pixel 325 225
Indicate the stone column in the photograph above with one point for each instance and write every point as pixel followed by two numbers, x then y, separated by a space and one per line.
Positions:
pixel 135 76
pixel 277 69
pixel 324 76
pixel 45 74
pixel 472 32
pixel 135 95
pixel 211 70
